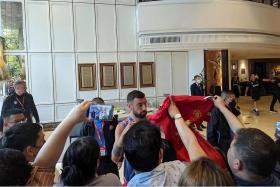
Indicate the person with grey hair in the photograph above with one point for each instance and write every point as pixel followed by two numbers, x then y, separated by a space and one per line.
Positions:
pixel 20 100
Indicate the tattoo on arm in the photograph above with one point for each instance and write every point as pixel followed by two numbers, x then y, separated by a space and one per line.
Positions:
pixel 117 151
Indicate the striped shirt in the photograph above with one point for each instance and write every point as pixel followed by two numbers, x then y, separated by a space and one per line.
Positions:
pixel 41 176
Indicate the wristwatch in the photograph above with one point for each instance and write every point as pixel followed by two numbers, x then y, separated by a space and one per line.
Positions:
pixel 177 116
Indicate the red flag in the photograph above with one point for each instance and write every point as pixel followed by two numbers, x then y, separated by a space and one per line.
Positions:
pixel 193 108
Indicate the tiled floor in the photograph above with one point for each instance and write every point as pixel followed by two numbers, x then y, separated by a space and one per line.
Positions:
pixel 265 121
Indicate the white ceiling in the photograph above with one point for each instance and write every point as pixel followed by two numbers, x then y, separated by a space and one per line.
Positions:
pixel 253 53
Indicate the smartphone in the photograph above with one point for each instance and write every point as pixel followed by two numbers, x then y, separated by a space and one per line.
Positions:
pixel 101 112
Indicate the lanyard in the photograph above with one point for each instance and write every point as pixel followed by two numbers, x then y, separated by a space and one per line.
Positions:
pixel 21 103
pixel 98 133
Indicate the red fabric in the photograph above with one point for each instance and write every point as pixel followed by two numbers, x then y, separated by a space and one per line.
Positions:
pixel 195 109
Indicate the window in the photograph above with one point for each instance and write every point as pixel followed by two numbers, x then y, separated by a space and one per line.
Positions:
pixel 13 69
pixel 12 25
pixel 15 66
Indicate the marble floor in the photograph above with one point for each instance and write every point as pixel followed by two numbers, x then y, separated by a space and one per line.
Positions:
pixel 266 121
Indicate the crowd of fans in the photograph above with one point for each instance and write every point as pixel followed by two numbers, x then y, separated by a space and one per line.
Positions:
pixel 251 156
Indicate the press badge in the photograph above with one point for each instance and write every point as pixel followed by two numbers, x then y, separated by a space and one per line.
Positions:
pixel 103 151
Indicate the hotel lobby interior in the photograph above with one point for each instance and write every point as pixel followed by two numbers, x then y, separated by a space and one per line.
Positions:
pixel 71 51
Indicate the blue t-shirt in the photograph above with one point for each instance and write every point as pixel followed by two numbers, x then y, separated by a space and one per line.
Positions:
pixel 128 170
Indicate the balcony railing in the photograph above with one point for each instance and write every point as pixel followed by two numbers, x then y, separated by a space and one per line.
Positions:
pixel 274 3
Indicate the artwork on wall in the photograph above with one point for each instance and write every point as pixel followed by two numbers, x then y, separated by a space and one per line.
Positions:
pixel 128 75
pixel 147 74
pixel 243 71
pixel 108 76
pixel 87 76
pixel 216 71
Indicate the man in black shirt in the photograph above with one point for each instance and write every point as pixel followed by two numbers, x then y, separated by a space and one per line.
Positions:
pixel 255 87
pixel 21 100
pixel 275 93
pixel 197 87
pixel 219 133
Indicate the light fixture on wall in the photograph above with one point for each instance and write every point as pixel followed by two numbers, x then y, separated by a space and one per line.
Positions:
pixel 234 67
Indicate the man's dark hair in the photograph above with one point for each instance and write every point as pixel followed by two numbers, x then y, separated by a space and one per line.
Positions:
pixel 196 76
pixel 14 168
pixel 226 93
pixel 169 153
pixel 20 136
pixel 256 150
pixel 12 111
pixel 98 100
pixel 135 94
pixel 142 145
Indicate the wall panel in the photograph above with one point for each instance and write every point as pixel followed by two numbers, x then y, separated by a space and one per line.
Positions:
pixel 46 113
pixel 41 78
pixel 163 73
pixel 179 73
pixel 62 27
pixel 84 27
pixel 106 28
pixel 126 28
pixel 38 26
pixel 65 78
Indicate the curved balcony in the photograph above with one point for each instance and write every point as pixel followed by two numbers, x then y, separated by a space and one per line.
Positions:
pixel 191 24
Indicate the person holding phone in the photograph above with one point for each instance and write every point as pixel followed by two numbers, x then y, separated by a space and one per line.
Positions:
pixel 104 133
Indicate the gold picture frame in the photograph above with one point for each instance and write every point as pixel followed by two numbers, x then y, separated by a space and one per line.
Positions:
pixel 108 76
pixel 87 76
pixel 128 75
pixel 147 74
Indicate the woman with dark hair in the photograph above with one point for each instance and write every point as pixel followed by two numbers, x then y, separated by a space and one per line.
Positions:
pixel 80 164
pixel 103 132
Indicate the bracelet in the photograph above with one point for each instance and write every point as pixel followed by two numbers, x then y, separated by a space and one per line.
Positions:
pixel 177 116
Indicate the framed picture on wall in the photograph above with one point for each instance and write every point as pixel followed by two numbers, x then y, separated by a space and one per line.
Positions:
pixel 243 71
pixel 147 74
pixel 108 76
pixel 128 75
pixel 87 76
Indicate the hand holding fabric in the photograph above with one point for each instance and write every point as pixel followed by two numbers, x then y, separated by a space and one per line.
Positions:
pixel 172 109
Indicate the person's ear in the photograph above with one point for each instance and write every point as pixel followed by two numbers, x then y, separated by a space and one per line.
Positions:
pixel 30 152
pixel 160 155
pixel 129 105
pixel 237 164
